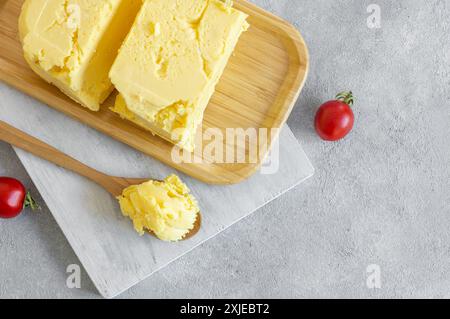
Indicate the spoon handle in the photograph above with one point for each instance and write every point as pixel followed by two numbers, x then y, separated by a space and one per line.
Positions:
pixel 15 137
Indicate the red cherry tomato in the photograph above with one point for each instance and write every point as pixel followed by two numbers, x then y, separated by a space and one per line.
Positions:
pixel 13 198
pixel 335 119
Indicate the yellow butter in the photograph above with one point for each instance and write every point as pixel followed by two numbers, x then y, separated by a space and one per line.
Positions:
pixel 73 43
pixel 165 208
pixel 170 63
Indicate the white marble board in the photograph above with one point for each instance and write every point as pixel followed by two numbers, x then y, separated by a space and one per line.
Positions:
pixel 114 256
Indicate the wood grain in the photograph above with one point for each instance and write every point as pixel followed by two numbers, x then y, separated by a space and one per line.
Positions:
pixel 258 90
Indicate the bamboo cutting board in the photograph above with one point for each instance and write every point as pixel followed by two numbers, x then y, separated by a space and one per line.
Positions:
pixel 258 90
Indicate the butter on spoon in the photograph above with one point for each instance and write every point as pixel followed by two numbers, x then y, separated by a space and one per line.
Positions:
pixel 166 208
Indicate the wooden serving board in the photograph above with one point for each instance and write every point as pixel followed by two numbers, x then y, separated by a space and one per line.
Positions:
pixel 258 90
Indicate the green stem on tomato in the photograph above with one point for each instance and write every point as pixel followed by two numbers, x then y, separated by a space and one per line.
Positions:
pixel 30 202
pixel 346 97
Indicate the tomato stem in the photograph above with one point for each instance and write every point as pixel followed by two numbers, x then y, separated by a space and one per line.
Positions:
pixel 30 202
pixel 346 97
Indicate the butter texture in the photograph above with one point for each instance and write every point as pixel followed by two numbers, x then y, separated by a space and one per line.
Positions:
pixel 170 63
pixel 73 43
pixel 166 208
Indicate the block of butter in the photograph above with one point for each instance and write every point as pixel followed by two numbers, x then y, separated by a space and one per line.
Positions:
pixel 73 43
pixel 165 208
pixel 170 63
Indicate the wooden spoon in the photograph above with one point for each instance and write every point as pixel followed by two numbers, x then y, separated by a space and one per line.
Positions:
pixel 114 185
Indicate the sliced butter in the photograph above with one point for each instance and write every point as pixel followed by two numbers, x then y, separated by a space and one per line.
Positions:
pixel 73 43
pixel 170 63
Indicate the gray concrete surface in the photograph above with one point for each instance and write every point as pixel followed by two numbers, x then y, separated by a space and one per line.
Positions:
pixel 381 196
